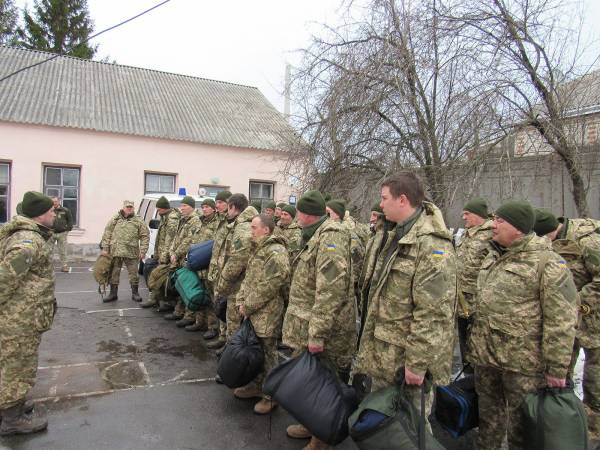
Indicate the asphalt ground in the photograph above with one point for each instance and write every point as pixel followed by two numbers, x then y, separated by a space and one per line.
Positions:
pixel 114 376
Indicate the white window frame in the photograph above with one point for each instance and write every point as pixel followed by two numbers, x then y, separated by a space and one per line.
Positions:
pixel 162 177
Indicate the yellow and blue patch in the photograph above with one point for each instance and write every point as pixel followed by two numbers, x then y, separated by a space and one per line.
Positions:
pixel 438 253
pixel 562 262
pixel 331 247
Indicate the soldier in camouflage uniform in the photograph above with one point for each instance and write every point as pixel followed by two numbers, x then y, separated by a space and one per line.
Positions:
pixel 524 327
pixel 262 301
pixel 204 318
pixel 321 314
pixel 126 239
pixel 290 230
pixel 62 225
pixel 409 327
pixel 470 251
pixel 233 258
pixel 213 269
pixel 269 208
pixel 187 233
pixel 578 242
pixel 167 230
pixel 27 309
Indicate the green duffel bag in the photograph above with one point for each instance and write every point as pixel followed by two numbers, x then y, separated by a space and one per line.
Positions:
pixel 191 289
pixel 554 419
pixel 387 420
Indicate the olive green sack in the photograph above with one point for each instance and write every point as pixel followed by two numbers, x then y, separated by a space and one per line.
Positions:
pixel 158 277
pixel 554 419
pixel 102 269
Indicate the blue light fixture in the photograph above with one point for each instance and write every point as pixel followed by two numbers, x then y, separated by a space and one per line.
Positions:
pixel 182 191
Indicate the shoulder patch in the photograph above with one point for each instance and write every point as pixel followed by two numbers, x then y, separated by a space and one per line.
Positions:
pixel 237 244
pixel 331 246
pixel 27 241
pixel 438 253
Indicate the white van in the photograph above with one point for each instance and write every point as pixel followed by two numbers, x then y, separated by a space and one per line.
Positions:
pixel 147 211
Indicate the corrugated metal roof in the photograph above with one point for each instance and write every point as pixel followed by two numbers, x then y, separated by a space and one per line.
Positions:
pixel 78 93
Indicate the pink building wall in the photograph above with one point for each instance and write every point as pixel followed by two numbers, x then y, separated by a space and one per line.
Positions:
pixel 112 168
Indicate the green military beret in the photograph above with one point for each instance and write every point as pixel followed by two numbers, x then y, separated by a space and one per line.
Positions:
pixel 35 204
pixel 281 204
pixel 545 222
pixel 223 196
pixel 257 205
pixel 519 213
pixel 338 206
pixel 377 208
pixel 187 200
pixel 209 202
pixel 289 209
pixel 312 203
pixel 477 206
pixel 270 205
pixel 163 203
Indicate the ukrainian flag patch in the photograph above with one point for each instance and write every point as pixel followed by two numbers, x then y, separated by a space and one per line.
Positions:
pixel 331 247
pixel 438 253
pixel 562 262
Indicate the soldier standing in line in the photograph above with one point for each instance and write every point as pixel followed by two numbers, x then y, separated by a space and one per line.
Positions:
pixel 470 252
pixel 409 327
pixel 278 209
pixel 290 230
pixel 269 208
pixel 524 328
pixel 320 316
pixel 578 242
pixel 213 269
pixel 62 225
pixel 126 239
pixel 167 230
pixel 187 232
pixel 262 301
pixel 205 318
pixel 233 259
pixel 27 310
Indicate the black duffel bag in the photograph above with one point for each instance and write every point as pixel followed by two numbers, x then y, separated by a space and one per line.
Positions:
pixel 221 308
pixel 309 388
pixel 198 257
pixel 456 406
pixel 149 265
pixel 243 357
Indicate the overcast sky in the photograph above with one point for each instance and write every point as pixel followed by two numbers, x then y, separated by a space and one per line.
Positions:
pixel 240 41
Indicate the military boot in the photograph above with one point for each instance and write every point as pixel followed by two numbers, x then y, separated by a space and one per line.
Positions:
pixel 16 421
pixel 264 406
pixel 149 303
pixel 316 444
pixel 298 431
pixel 27 408
pixel 114 288
pixel 248 391
pixel 135 296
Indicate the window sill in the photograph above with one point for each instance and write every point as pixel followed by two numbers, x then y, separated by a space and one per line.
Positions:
pixel 77 232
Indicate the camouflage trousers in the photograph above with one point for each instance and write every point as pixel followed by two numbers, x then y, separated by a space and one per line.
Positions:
pixel 18 367
pixel 501 394
pixel 132 265
pixel 269 345
pixel 206 316
pixel 233 317
pixel 591 386
pixel 60 239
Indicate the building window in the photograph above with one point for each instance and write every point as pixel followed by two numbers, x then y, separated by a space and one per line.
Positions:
pixel 4 191
pixel 63 182
pixel 262 192
pixel 210 190
pixel 158 183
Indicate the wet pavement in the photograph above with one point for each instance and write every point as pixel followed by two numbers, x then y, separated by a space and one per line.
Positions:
pixel 114 376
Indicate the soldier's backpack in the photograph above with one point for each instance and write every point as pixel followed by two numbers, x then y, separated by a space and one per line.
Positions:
pixel 191 288
pixel 198 257
pixel 158 277
pixel 456 406
pixel 554 419
pixel 309 388
pixel 387 420
pixel 101 270
pixel 243 358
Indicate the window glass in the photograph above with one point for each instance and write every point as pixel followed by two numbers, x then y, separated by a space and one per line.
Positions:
pixel 159 184
pixel 4 173
pixel 71 177
pixel 63 182
pixel 53 176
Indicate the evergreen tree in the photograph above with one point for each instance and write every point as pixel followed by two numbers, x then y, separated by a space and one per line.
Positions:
pixel 8 22
pixel 59 26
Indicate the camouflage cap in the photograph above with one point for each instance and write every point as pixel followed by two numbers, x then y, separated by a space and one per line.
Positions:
pixel 128 203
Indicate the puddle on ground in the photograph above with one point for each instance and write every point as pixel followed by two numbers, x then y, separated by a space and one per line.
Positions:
pixel 162 346
pixel 116 348
pixel 124 375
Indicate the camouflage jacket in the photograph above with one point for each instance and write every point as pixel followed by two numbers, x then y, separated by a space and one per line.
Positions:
pixel 126 237
pixel 293 234
pixel 233 257
pixel 527 310
pixel 63 221
pixel 470 252
pixel 369 262
pixel 27 303
pixel 357 249
pixel 411 303
pixel 167 231
pixel 208 227
pixel 262 289
pixel 187 234
pixel 321 305
pixel 580 247
pixel 218 247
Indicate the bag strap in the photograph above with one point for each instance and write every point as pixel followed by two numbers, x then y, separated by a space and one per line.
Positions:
pixel 422 442
pixel 540 419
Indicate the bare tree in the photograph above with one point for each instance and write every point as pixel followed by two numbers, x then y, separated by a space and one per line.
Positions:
pixel 535 54
pixel 394 89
